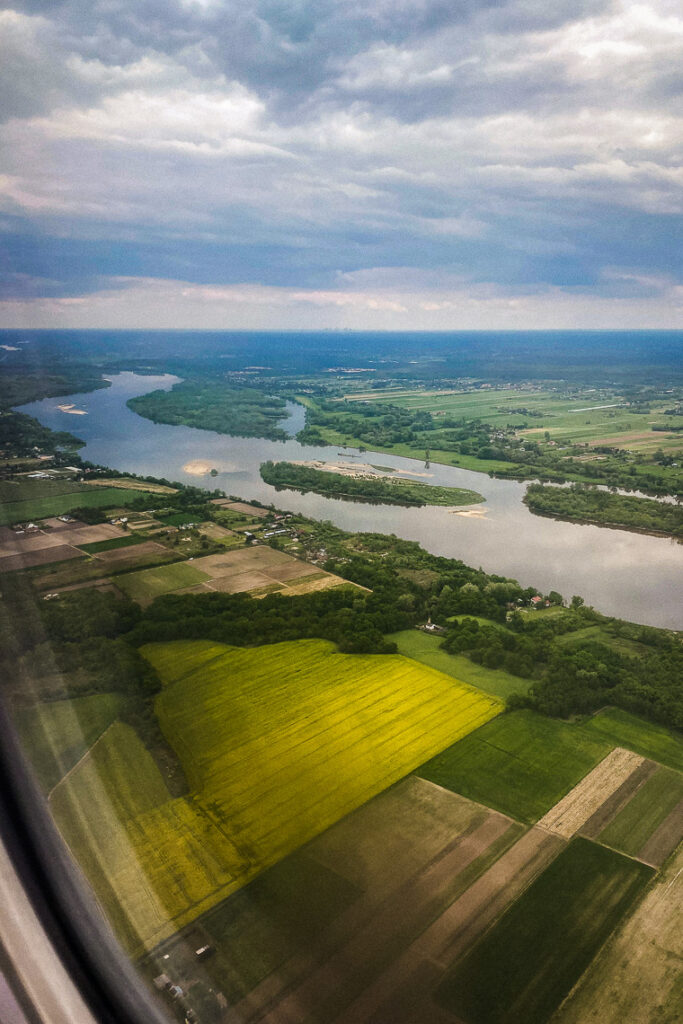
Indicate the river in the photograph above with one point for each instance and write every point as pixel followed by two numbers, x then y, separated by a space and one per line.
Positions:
pixel 629 575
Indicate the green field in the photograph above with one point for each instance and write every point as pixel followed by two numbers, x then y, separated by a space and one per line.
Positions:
pixel 520 764
pixel 620 644
pixel 636 822
pixel 23 488
pixel 58 504
pixel 150 583
pixel 576 417
pixel 413 643
pixel 276 742
pixel 111 545
pixel 623 730
pixel 522 968
pixel 57 734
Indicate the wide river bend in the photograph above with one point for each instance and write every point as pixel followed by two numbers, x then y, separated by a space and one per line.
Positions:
pixel 629 575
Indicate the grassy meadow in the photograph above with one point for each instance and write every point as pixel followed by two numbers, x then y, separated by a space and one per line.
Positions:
pixel 150 583
pixel 623 730
pixel 413 643
pixel 277 743
pixel 57 504
pixel 522 968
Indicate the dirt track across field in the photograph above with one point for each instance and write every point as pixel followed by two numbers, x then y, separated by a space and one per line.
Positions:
pixel 578 806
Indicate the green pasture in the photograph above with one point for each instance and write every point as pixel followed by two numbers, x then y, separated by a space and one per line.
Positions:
pixel 636 822
pixel 178 518
pixel 521 764
pixel 276 742
pixel 150 583
pixel 620 729
pixel 57 734
pixel 58 504
pixel 413 643
pixel 23 488
pixel 602 635
pixel 525 965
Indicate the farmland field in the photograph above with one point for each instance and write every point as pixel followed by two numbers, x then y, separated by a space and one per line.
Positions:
pixel 337 888
pixel 57 504
pixel 111 545
pixel 150 583
pixel 56 734
pixel 621 729
pixel 636 977
pixel 413 643
pixel 277 743
pixel 579 417
pixel 528 962
pixel 651 805
pixel 521 764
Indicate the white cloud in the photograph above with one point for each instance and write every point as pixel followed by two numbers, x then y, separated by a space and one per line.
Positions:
pixel 164 304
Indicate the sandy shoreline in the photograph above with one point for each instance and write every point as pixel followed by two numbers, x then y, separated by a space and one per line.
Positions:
pixel 72 410
pixel 362 470
pixel 198 467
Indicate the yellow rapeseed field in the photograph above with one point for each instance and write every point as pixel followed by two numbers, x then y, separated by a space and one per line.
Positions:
pixel 277 742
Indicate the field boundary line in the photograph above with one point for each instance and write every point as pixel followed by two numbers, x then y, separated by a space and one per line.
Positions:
pixel 81 759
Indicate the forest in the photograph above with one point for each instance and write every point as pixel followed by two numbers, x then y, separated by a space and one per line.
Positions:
pixel 215 404
pixel 579 503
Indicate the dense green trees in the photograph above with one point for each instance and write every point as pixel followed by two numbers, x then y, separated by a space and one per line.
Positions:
pixel 587 504
pixel 215 404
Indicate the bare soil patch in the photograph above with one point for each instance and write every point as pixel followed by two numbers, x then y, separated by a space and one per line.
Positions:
pixel 324 583
pixel 215 532
pixel 239 583
pixel 578 806
pixel 42 556
pixel 127 484
pixel 133 554
pixel 91 534
pixel 295 570
pixel 11 544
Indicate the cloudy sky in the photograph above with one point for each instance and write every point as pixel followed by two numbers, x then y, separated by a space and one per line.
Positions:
pixel 432 164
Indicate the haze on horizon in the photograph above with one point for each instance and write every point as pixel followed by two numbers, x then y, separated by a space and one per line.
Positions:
pixel 402 164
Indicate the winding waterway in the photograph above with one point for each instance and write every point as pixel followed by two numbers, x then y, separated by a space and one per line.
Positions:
pixel 629 575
